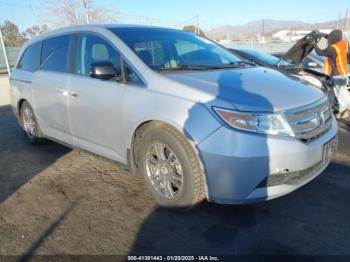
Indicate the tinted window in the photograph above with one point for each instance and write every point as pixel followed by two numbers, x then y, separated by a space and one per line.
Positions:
pixel 55 53
pixel 166 48
pixel 93 49
pixel 30 59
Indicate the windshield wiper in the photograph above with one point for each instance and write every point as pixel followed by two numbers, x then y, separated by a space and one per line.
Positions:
pixel 185 68
pixel 247 63
pixel 236 64
pixel 207 67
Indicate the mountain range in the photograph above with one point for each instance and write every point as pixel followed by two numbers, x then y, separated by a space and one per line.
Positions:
pixel 269 26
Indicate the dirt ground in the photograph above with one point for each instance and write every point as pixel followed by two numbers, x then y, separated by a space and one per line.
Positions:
pixel 54 200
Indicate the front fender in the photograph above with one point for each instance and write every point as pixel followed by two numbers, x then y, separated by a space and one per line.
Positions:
pixel 194 120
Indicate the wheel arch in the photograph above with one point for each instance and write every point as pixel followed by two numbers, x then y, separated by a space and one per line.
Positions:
pixel 19 105
pixel 136 134
pixel 17 110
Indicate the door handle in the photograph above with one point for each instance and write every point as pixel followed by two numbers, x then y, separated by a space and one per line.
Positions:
pixel 61 90
pixel 73 94
pixel 66 92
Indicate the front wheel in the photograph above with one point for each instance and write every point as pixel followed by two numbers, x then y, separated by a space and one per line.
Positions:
pixel 170 167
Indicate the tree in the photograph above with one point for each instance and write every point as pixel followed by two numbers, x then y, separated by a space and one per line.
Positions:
pixel 12 35
pixel 35 30
pixel 194 29
pixel 71 12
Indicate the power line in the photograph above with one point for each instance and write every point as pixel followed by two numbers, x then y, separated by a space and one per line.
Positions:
pixel 151 20
pixel 186 21
pixel 147 17
pixel 5 2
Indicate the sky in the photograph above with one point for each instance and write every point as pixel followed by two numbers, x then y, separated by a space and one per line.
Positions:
pixel 211 13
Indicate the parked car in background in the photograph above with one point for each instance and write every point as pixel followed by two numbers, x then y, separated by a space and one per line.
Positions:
pixel 313 61
pixel 311 76
pixel 190 117
pixel 298 62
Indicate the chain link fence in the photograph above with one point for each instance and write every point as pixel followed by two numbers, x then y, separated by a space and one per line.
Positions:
pixel 267 48
pixel 12 53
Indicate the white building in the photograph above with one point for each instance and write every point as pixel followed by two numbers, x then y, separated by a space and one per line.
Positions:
pixel 294 35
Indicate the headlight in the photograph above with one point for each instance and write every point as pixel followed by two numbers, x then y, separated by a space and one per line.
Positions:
pixel 264 123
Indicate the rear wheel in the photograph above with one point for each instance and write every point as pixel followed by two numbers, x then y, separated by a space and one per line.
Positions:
pixel 170 167
pixel 30 126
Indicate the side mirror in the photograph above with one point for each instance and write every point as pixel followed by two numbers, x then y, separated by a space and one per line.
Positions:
pixel 104 70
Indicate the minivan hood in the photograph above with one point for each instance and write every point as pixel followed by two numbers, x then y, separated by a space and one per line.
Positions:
pixel 248 89
pixel 302 48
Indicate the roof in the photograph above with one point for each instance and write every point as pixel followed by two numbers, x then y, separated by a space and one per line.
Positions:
pixel 92 26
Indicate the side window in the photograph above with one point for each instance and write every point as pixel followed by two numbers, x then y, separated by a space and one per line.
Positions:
pixel 55 53
pixel 30 59
pixel 93 49
pixel 131 76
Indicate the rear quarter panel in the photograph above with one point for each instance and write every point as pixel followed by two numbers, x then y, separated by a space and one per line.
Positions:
pixel 20 88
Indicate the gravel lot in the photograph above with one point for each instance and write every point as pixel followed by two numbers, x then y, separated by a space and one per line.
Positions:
pixel 54 200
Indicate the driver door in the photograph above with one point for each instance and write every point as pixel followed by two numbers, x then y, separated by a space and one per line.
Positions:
pixel 95 107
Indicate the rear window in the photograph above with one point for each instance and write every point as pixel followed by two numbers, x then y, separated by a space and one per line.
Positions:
pixel 54 54
pixel 30 59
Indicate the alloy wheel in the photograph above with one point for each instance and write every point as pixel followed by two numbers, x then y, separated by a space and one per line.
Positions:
pixel 164 170
pixel 28 122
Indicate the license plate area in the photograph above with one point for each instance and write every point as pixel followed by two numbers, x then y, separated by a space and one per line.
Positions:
pixel 329 150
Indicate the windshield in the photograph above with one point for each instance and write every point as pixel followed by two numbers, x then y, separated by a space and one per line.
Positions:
pixel 266 58
pixel 167 49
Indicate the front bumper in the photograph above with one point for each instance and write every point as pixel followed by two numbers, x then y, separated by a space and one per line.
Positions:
pixel 240 166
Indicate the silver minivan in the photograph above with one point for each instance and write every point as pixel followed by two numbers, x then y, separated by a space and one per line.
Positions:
pixel 189 116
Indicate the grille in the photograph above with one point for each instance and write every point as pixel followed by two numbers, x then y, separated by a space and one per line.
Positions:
pixel 312 121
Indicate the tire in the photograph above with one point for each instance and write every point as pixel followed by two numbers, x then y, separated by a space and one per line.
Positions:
pixel 179 162
pixel 29 124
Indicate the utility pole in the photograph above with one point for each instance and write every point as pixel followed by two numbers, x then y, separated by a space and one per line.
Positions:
pixel 86 12
pixel 263 27
pixel 5 54
pixel 346 19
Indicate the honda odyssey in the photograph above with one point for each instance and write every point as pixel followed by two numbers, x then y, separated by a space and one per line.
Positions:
pixel 185 113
